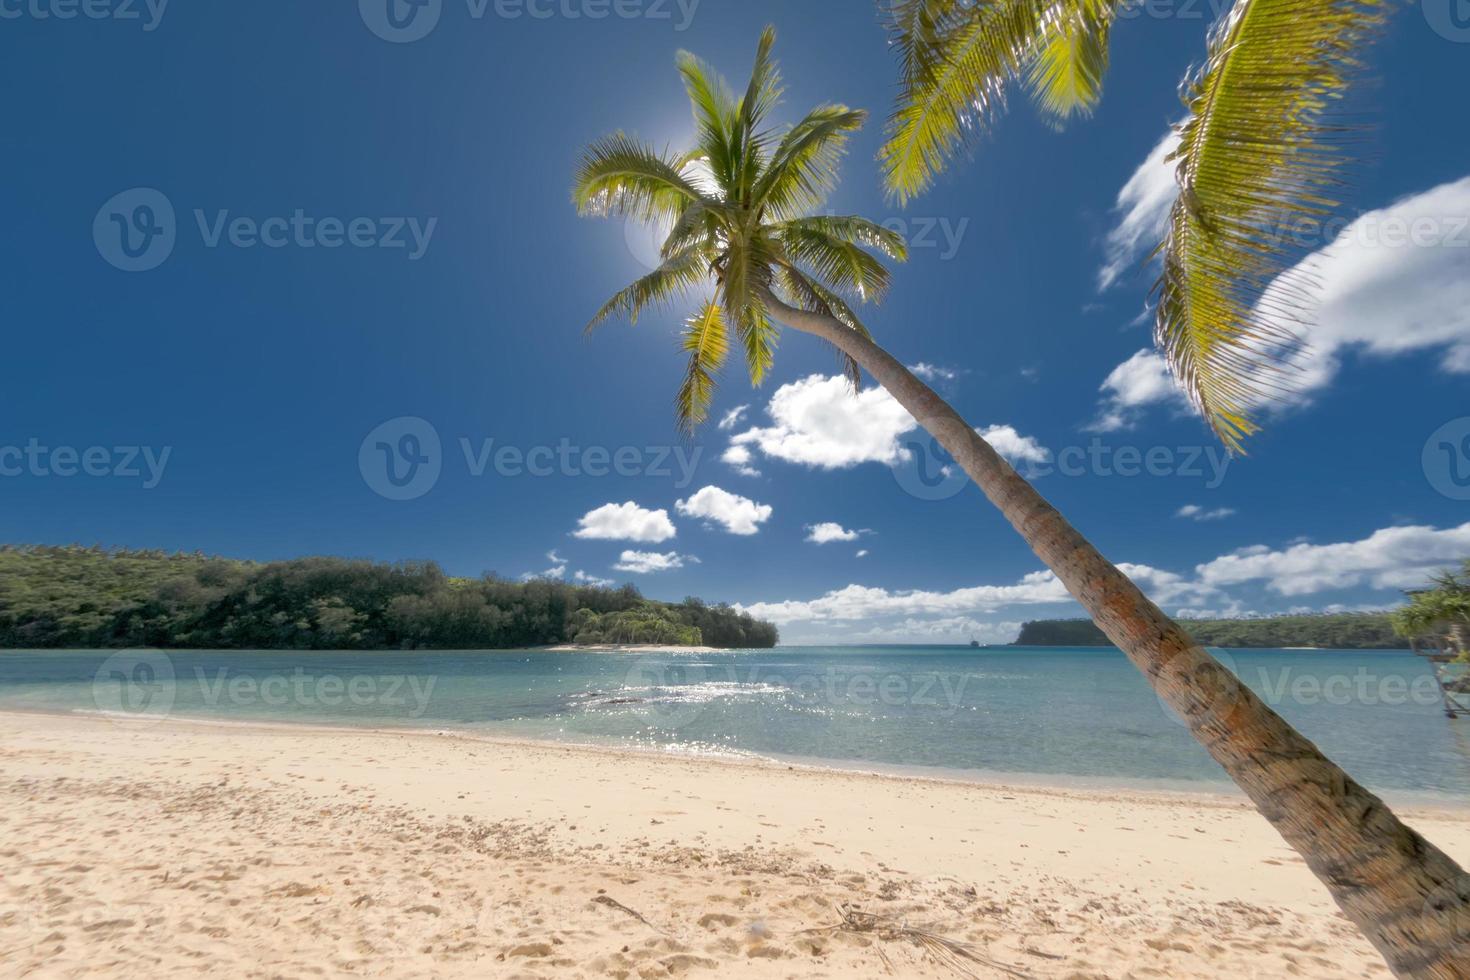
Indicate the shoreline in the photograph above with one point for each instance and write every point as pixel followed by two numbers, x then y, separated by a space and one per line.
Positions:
pixel 285 849
pixel 1226 794
pixel 1222 792
pixel 630 648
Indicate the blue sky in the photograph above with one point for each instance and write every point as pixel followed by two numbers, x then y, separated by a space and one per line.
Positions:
pixel 365 232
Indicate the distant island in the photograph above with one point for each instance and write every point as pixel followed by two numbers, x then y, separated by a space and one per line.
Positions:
pixel 1338 631
pixel 75 597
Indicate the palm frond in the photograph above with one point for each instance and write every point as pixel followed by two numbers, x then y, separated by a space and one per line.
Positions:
pixel 758 336
pixel 620 176
pixel 707 343
pixel 1257 153
pixel 660 287
pixel 803 168
pixel 1071 58
pixel 715 115
pixel 851 228
pixel 697 226
pixel 761 96
pixel 833 260
pixel 958 58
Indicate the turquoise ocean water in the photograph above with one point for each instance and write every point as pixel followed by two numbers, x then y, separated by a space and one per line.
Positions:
pixel 1028 714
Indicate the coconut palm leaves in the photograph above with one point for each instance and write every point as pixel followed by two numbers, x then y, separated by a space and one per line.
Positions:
pixel 959 56
pixel 1257 156
pixel 738 212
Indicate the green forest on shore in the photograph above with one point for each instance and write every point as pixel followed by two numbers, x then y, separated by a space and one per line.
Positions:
pixel 1336 631
pixel 53 597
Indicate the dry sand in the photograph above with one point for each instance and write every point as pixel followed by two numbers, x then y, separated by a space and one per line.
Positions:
pixel 178 848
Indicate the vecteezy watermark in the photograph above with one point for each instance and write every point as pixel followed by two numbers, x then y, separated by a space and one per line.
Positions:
pixel 406 21
pixel 1376 230
pixel 403 458
pixel 928 472
pixel 145 684
pixel 1446 459
pixel 1218 691
pixel 148 13
pixel 944 235
pixel 136 683
pixel 676 692
pixel 1202 10
pixel 34 459
pixel 301 689
pixel 1450 19
pixel 136 231
pixel 645 240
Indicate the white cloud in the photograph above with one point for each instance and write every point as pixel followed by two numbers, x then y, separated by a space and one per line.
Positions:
pixel 829 531
pixel 1142 380
pixel 819 422
pixel 648 562
pixel 1163 586
pixel 1015 447
pixel 951 629
pixel 1391 558
pixel 1395 280
pixel 1143 207
pixel 585 579
pixel 739 458
pixel 737 514
pixel 733 417
pixel 1195 512
pixel 862 553
pixel 858 602
pixel 558 568
pixel 933 372
pixel 625 522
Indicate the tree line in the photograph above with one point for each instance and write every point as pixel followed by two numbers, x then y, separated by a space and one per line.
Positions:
pixel 60 597
pixel 1339 631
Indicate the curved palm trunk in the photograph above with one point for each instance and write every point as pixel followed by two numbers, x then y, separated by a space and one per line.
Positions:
pixel 1408 897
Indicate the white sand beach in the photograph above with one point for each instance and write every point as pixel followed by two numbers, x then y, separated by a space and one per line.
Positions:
pixel 178 848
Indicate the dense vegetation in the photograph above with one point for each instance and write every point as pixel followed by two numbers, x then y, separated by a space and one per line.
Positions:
pixel 90 597
pixel 1344 631
pixel 1440 614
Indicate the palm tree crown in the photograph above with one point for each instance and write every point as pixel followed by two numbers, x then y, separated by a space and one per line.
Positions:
pixel 739 209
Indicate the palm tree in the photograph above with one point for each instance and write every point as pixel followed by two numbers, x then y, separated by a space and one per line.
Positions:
pixel 734 206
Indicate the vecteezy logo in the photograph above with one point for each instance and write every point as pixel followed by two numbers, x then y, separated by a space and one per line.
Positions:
pixel 1217 688
pixel 401 459
pixel 139 683
pixel 673 693
pixel 1447 459
pixel 1449 18
pixel 401 21
pixel 135 230
pixel 927 471
pixel 645 240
